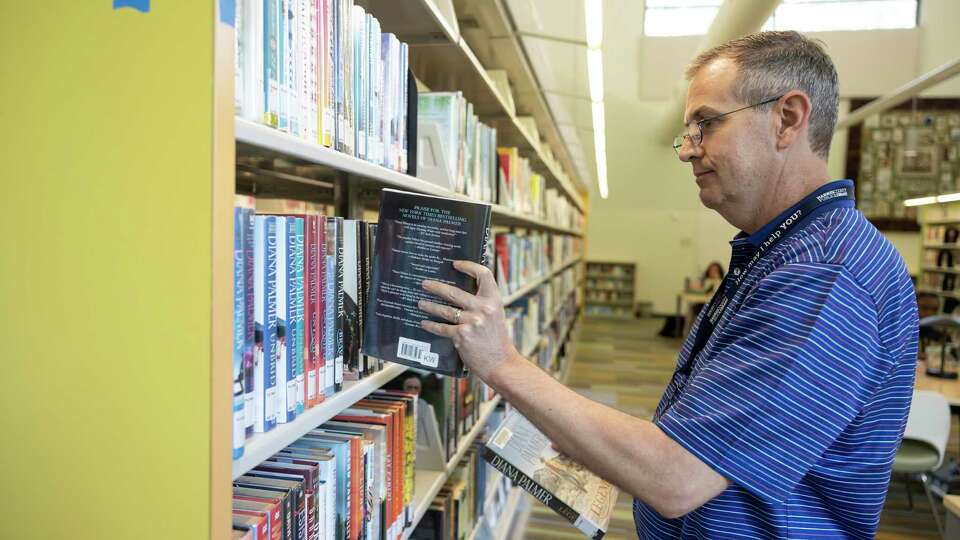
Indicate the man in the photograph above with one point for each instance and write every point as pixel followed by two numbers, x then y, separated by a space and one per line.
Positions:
pixel 792 390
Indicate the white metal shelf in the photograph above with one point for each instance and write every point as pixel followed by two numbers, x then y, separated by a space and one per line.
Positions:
pixel 942 221
pixel 428 483
pixel 939 270
pixel 263 445
pixel 273 141
pixel 941 246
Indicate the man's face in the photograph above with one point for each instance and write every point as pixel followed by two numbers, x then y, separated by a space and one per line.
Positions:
pixel 734 158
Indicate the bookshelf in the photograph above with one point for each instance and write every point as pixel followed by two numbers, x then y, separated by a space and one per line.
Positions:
pixel 441 60
pixel 940 253
pixel 609 291
pixel 140 200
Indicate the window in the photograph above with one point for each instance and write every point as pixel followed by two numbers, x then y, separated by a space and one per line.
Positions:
pixel 693 17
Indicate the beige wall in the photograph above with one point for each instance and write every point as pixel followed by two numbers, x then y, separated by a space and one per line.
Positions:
pixel 653 216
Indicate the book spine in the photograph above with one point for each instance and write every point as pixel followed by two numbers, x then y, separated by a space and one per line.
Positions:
pixel 320 322
pixel 338 77
pixel 271 62
pixel 239 331
pixel 358 39
pixel 311 286
pixel 286 376
pixel 402 142
pixel 249 322
pixel 329 112
pixel 518 478
pixel 348 68
pixel 352 370
pixel 341 320
pixel 298 315
pixel 283 65
pixel 330 308
pixel 265 356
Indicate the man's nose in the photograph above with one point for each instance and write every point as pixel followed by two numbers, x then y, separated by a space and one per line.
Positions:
pixel 689 151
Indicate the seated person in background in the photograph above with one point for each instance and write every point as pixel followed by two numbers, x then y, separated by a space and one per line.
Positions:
pixel 710 280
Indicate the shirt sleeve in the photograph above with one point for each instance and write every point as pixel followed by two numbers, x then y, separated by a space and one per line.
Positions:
pixel 793 368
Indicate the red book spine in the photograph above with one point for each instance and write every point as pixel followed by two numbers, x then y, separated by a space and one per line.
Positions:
pixel 310 312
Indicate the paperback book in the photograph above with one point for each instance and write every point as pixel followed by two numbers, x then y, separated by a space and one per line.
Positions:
pixel 419 237
pixel 525 455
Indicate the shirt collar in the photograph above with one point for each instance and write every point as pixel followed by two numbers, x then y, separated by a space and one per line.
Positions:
pixel 756 238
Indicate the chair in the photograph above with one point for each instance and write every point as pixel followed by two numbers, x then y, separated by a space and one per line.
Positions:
pixel 924 443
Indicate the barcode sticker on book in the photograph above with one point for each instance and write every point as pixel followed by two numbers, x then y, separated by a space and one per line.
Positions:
pixel 417 351
pixel 502 438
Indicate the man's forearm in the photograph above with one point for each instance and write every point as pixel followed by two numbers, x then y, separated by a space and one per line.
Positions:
pixel 630 452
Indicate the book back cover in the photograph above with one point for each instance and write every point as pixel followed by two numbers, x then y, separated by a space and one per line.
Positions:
pixel 418 238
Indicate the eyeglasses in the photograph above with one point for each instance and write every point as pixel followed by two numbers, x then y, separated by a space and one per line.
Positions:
pixel 694 131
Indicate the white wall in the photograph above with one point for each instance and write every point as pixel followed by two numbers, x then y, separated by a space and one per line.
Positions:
pixel 653 216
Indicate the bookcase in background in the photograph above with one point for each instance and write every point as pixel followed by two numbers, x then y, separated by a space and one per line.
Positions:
pixel 940 254
pixel 609 289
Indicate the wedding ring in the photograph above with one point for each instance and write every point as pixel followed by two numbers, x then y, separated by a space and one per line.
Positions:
pixel 459 312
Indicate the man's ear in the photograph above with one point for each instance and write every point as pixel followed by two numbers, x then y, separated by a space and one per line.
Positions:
pixel 793 116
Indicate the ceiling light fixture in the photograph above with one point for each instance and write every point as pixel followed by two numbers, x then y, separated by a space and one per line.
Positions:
pixel 593 12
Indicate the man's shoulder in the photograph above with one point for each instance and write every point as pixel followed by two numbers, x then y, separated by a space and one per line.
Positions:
pixel 844 238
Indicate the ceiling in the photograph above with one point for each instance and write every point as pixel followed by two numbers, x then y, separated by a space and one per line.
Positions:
pixel 558 59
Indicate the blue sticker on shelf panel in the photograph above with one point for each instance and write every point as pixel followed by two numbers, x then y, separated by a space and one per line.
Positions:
pixel 228 11
pixel 143 6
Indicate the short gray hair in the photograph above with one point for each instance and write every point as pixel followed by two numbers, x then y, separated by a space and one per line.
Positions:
pixel 772 63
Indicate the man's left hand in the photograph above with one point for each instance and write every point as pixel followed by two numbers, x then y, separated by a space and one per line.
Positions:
pixel 477 327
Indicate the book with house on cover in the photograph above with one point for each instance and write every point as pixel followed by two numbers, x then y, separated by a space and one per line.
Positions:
pixel 525 456
pixel 418 238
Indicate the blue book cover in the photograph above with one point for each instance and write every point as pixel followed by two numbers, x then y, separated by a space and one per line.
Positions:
pixel 296 311
pixel 374 148
pixel 265 331
pixel 271 62
pixel 358 35
pixel 286 333
pixel 330 308
pixel 249 223
pixel 239 332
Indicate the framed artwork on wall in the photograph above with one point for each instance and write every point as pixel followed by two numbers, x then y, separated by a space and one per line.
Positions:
pixel 906 152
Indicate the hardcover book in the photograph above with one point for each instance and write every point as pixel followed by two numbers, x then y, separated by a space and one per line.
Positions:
pixel 419 237
pixel 525 456
pixel 239 328
pixel 286 328
pixel 266 352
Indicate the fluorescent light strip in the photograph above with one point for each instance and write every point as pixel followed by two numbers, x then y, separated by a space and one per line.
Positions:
pixel 592 8
pixel 593 11
pixel 595 74
pixel 920 201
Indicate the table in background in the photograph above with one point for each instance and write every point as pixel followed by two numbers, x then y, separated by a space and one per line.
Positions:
pixel 685 303
pixel 949 388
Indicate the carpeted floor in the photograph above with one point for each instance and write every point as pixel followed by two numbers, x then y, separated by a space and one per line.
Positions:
pixel 625 364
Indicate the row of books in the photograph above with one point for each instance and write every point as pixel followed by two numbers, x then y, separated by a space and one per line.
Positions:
pixel 323 71
pixel 528 318
pixel 468 145
pixel 941 234
pixel 558 210
pixel 564 248
pixel 473 496
pixel 351 478
pixel 520 259
pixel 455 405
pixel 547 356
pixel 300 282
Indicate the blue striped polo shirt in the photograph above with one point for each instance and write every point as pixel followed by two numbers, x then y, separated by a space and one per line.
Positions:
pixel 800 396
